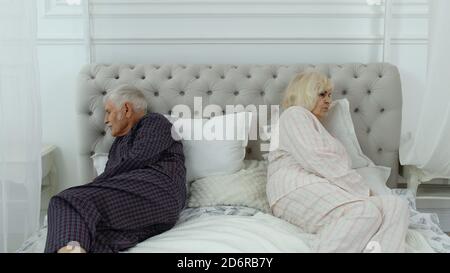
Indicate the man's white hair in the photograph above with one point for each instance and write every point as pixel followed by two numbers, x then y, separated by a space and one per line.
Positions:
pixel 127 93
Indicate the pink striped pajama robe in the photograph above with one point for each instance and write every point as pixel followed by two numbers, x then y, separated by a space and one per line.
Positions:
pixel 311 184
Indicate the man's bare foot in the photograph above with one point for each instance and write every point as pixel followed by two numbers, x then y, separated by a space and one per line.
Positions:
pixel 72 247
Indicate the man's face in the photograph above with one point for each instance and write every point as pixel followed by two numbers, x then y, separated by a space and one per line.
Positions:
pixel 115 118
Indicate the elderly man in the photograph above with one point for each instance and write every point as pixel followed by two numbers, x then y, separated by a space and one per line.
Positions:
pixel 140 194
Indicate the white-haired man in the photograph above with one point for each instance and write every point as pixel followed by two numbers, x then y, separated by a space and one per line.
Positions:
pixel 141 192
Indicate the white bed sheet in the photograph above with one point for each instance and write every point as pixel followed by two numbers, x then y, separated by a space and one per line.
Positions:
pixel 228 230
pixel 261 233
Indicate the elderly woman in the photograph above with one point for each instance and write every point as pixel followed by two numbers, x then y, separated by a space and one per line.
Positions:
pixel 141 192
pixel 311 183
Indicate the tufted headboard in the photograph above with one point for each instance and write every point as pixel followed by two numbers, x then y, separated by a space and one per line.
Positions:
pixel 373 90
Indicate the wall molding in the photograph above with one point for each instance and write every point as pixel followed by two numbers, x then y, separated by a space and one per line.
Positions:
pixel 58 9
pixel 128 9
pixel 368 40
pixel 59 40
pixel 163 10
pixel 256 15
pixel 372 40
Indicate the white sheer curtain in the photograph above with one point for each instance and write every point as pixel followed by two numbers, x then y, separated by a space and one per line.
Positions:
pixel 429 146
pixel 20 126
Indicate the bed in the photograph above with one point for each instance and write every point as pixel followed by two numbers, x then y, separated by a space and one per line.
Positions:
pixel 375 96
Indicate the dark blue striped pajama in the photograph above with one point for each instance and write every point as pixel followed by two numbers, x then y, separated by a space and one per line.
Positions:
pixel 140 194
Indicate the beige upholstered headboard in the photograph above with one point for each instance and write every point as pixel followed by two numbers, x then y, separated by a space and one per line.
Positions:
pixel 373 90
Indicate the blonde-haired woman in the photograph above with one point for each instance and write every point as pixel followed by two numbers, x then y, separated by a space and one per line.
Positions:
pixel 311 183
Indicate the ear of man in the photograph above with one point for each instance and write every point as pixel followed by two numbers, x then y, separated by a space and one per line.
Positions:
pixel 129 111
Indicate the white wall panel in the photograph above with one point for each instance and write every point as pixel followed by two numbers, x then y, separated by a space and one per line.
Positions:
pixel 218 31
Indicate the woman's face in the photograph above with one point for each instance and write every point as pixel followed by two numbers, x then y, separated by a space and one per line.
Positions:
pixel 323 104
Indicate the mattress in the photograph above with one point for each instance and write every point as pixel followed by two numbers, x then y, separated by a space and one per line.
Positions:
pixel 228 229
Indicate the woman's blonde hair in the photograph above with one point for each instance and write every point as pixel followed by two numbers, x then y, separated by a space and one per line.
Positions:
pixel 304 89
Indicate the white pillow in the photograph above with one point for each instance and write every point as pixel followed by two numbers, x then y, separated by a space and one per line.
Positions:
pixel 246 187
pixel 212 153
pixel 99 160
pixel 376 177
pixel 206 157
pixel 339 124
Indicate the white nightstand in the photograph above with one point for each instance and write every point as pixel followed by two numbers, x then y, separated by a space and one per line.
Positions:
pixel 49 177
